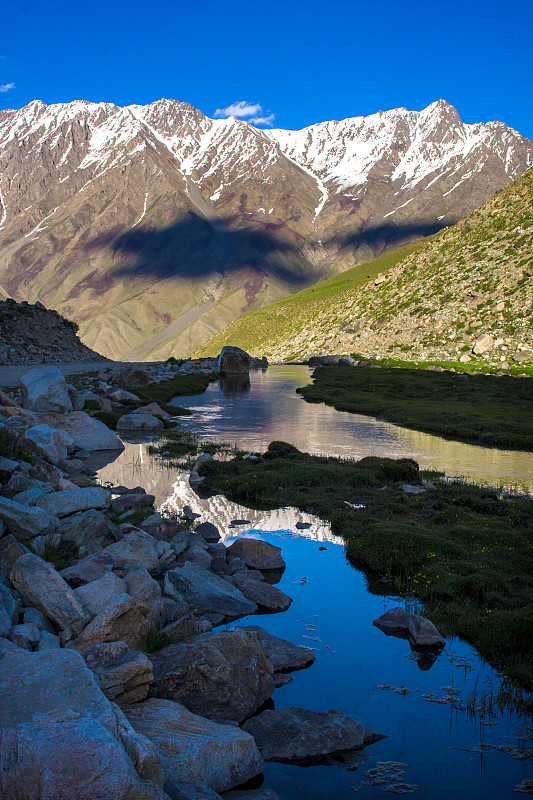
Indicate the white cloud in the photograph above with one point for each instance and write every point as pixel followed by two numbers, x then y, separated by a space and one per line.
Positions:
pixel 5 87
pixel 252 112
pixel 265 120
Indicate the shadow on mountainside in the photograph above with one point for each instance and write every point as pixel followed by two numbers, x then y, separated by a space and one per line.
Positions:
pixel 386 236
pixel 194 247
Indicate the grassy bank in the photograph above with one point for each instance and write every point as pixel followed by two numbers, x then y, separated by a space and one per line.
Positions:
pixel 460 549
pixel 484 409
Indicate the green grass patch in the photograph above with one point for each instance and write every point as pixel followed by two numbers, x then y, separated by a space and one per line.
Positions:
pixel 156 641
pixel 175 387
pixel 462 550
pixel 109 418
pixel 485 409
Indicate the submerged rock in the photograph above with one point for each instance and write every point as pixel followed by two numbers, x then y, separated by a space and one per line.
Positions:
pixel 256 554
pixel 298 736
pixel 399 622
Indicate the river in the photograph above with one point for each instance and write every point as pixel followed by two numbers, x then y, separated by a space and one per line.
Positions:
pixel 445 751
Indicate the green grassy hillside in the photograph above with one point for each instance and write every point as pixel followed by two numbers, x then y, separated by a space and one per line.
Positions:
pixel 264 330
pixel 434 300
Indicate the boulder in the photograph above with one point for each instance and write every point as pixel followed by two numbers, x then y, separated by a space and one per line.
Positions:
pixel 256 554
pixel 136 547
pixel 196 750
pixel 181 628
pixel 283 655
pixel 59 735
pixel 298 736
pixel 90 530
pixel 45 389
pixel 206 592
pixel 43 587
pixel 129 501
pixel 50 442
pixel 223 675
pixel 144 588
pixel 89 569
pixel 208 531
pixel 122 396
pixel 399 622
pixel 263 594
pixel 233 360
pixel 123 620
pixel 98 594
pixel 132 375
pixel 72 501
pixel 154 409
pixel 7 468
pixel 26 635
pixel 483 344
pixel 139 422
pixel 49 641
pixel 10 550
pixel 124 674
pixel 26 522
pixel 347 361
pixel 87 433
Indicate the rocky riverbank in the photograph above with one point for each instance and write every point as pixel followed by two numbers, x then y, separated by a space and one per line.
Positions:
pixel 117 682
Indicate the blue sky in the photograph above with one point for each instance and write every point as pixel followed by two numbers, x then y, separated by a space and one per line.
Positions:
pixel 296 61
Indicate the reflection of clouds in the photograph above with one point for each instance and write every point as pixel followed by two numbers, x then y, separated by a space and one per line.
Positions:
pixel 136 467
pixel 272 410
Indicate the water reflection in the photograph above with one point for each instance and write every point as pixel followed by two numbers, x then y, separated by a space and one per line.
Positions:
pixel 272 410
pixel 172 492
pixel 234 384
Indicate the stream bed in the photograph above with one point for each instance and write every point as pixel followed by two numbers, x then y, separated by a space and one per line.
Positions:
pixel 434 747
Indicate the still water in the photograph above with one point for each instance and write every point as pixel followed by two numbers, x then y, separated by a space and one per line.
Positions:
pixel 269 409
pixel 444 751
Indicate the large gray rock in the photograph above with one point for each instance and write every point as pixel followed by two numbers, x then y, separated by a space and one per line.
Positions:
pixel 87 433
pixel 26 522
pixel 43 587
pixel 72 501
pixel 298 736
pixel 10 550
pixel 7 468
pixel 399 622
pixel 141 586
pixel 50 442
pixel 90 530
pixel 207 530
pixel 124 674
pixel 256 554
pixel 123 620
pixel 233 360
pixel 99 594
pixel 206 592
pixel 45 389
pixel 283 655
pixel 139 422
pixel 136 547
pixel 60 738
pixel 88 569
pixel 130 501
pixel 483 344
pixel 196 750
pixel 263 594
pixel 26 635
pixel 223 675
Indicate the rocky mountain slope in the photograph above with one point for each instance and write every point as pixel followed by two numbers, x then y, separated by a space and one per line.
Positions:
pixel 464 294
pixel 154 226
pixel 32 334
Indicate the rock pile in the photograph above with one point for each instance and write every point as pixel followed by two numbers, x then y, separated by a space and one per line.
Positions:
pixel 33 334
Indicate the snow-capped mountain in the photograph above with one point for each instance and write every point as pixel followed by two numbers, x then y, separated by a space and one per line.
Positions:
pixel 155 226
